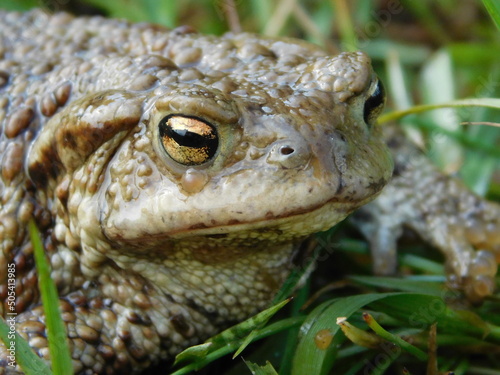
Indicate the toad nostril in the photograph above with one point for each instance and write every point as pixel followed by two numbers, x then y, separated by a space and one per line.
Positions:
pixel 288 155
pixel 285 150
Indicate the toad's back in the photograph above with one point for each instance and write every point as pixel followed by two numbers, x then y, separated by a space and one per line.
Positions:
pixel 172 175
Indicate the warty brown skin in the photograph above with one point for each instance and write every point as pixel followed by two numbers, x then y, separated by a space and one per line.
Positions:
pixel 150 255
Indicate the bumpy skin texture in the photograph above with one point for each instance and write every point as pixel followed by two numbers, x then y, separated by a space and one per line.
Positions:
pixel 149 255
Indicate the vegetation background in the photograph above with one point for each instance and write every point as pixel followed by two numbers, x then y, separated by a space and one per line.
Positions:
pixel 426 52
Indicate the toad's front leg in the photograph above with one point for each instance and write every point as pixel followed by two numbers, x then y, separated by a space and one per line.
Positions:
pixel 441 210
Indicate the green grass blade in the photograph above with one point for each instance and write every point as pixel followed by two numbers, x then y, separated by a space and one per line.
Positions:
pixel 248 340
pixel 478 170
pixel 493 7
pixel 471 102
pixel 56 333
pixel 417 309
pixel 377 328
pixel 346 27
pixel 421 310
pixel 268 369
pixel 404 285
pixel 311 359
pixel 423 264
pixel 237 336
pixel 208 357
pixel 300 299
pixel 24 356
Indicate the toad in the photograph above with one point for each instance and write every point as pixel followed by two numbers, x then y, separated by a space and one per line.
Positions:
pixel 175 175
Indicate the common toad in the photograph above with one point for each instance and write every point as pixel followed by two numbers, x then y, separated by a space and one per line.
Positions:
pixel 174 176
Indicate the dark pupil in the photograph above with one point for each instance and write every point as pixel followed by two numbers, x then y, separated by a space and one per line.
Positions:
pixel 189 139
pixel 374 101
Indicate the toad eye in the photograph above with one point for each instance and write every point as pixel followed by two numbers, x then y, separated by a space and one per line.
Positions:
pixel 374 104
pixel 188 140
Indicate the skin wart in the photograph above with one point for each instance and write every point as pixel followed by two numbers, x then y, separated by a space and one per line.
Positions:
pixel 173 176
